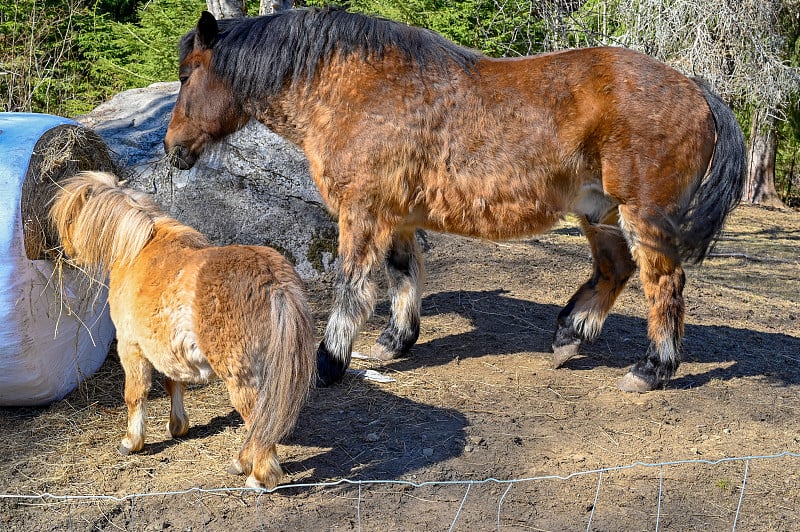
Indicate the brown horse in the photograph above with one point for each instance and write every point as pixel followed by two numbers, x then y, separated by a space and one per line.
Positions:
pixel 404 129
pixel 192 311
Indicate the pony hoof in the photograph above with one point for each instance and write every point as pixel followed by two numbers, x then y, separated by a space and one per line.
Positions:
pixel 268 483
pixel 235 468
pixel 381 352
pixel 177 430
pixel 253 482
pixel 562 353
pixel 633 383
pixel 124 450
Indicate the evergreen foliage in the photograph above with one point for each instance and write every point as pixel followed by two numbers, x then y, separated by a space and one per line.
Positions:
pixel 66 56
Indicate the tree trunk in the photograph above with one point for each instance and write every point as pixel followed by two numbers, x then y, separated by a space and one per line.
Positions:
pixel 267 7
pixel 761 162
pixel 226 8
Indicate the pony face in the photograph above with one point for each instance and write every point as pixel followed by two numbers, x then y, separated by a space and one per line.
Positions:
pixel 205 109
pixel 99 222
pixel 65 217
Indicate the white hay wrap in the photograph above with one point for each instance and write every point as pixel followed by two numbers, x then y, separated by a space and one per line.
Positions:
pixel 49 342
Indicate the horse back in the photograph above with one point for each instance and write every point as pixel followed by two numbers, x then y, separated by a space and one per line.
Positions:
pixel 507 148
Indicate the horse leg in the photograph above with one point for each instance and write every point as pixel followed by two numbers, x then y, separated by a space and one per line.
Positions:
pixel 404 270
pixel 663 280
pixel 138 378
pixel 178 424
pixel 583 317
pixel 364 240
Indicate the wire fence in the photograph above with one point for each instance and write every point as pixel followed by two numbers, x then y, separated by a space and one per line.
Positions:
pixel 468 485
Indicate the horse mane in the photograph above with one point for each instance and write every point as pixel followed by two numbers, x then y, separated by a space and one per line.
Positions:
pixel 107 223
pixel 259 55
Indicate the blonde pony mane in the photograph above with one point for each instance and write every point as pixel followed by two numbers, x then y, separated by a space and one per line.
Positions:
pixel 101 223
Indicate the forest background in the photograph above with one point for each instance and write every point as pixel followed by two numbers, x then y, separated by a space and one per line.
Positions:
pixel 65 57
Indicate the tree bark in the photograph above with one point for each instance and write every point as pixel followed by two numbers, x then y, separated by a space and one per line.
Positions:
pixel 761 162
pixel 226 8
pixel 268 7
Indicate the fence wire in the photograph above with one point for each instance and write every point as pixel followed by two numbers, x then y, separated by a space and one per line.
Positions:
pixel 468 484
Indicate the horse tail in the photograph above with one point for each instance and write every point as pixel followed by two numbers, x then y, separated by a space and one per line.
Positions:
pixel 721 188
pixel 287 368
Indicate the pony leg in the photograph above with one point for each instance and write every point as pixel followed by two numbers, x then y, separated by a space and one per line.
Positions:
pixel 363 242
pixel 138 378
pixel 663 280
pixel 404 270
pixel 583 317
pixel 257 460
pixel 178 424
pixel 267 471
pixel 243 398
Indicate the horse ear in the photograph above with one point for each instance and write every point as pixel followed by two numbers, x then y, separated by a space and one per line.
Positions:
pixel 206 33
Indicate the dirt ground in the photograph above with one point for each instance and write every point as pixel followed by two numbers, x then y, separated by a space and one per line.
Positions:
pixel 476 400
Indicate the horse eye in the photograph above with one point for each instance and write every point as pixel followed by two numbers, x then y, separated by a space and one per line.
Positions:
pixel 183 79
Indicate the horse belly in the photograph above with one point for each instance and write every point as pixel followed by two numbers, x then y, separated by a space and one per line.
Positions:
pixel 503 206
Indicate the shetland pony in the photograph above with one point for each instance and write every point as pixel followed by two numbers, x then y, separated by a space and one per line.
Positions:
pixel 403 129
pixel 192 311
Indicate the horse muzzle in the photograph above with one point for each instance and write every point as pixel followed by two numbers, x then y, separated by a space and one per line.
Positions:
pixel 180 156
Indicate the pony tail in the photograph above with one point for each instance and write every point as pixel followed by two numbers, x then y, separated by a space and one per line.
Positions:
pixel 288 369
pixel 721 188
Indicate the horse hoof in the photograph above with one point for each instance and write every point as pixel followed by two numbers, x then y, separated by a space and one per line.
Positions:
pixel 381 352
pixel 633 383
pixel 563 353
pixel 329 370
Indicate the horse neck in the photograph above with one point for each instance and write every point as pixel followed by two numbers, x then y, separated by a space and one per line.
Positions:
pixel 286 115
pixel 304 108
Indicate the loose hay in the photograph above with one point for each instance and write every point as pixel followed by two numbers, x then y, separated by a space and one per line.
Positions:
pixel 59 154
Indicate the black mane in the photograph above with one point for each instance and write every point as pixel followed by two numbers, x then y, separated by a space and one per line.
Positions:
pixel 258 55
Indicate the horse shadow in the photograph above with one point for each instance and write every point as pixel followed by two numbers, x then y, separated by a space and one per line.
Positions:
pixel 504 325
pixel 370 433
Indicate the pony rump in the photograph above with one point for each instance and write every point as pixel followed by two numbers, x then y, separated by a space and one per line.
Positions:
pixel 128 216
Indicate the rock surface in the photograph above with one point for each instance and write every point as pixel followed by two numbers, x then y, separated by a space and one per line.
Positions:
pixel 251 188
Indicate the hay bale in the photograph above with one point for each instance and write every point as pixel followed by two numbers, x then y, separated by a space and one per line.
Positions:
pixel 54 324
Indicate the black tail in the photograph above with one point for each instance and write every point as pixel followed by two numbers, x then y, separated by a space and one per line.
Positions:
pixel 722 186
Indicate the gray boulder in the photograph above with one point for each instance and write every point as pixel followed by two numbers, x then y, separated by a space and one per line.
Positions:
pixel 251 188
